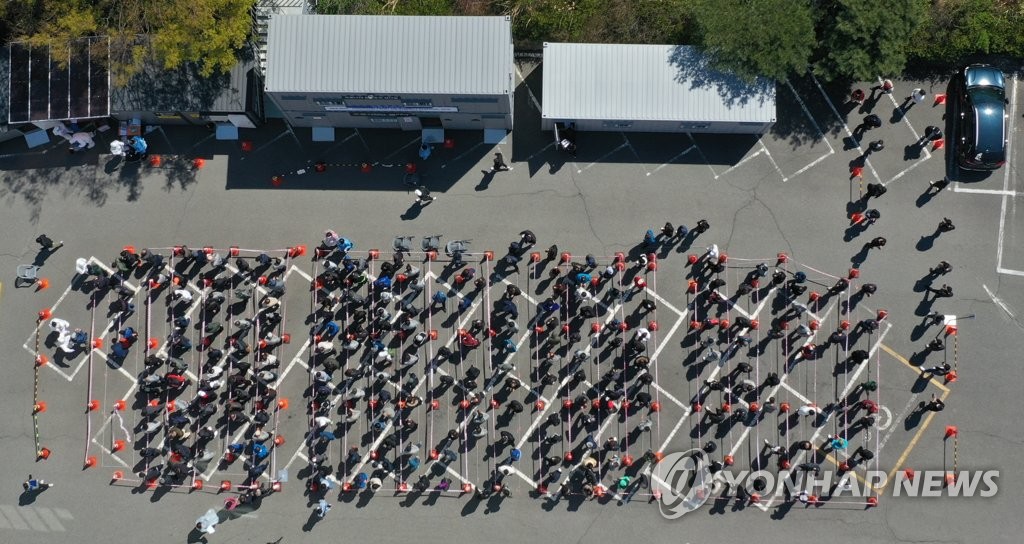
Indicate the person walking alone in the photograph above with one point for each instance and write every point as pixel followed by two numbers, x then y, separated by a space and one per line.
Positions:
pixel 31 485
pixel 47 245
pixel 499 163
pixel 423 196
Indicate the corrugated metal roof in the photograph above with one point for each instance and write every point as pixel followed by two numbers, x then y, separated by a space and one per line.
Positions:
pixel 647 82
pixel 389 54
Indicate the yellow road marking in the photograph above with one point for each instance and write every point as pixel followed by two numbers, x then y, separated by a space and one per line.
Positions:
pixel 911 366
pixel 855 475
pixel 913 442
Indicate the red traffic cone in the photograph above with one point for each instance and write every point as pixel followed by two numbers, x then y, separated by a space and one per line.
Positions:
pixel 856 171
pixel 951 431
pixel 940 98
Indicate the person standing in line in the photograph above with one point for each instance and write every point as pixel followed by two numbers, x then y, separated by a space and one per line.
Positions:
pixel 931 134
pixel 322 508
pixel 875 147
pixel 875 190
pixel 938 185
pixel 940 370
pixel 946 225
pixel 877 243
pixel 942 269
pixel 208 522
pixel 935 405
pixel 916 97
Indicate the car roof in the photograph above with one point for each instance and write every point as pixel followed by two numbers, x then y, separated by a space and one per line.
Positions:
pixel 983 75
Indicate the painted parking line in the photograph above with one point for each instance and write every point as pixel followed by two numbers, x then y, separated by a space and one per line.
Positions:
pixel 905 171
pixel 817 128
pixel 600 160
pixel 639 162
pixel 529 91
pixel 916 369
pixel 741 163
pixel 673 159
pixel 846 128
pixel 913 443
pixel 772 160
pixel 846 391
pixel 1006 185
pixel 892 98
pixel 959 188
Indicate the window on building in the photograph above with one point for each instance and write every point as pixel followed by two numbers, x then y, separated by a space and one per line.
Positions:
pixel 694 126
pixel 475 99
pixel 417 102
pixel 384 120
pixel 293 97
pixel 617 124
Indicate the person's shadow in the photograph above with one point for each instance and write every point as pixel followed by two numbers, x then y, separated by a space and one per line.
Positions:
pixel 28 497
pixel 926 242
pixel 41 257
pixel 912 152
pixel 871 101
pixel 311 522
pixel 925 197
pixel 485 181
pixel 413 212
pixel 862 255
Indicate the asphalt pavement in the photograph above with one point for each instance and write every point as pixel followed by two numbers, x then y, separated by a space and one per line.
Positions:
pixel 787 192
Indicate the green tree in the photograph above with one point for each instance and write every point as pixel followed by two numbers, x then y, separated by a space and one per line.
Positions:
pixel 537 21
pixel 170 32
pixel 869 39
pixel 955 29
pixel 207 32
pixel 390 7
pixel 753 38
pixel 650 21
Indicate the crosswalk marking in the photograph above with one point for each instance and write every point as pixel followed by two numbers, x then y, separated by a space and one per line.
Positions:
pixel 12 515
pixel 50 519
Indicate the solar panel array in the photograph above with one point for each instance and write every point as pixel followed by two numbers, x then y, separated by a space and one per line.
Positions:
pixel 44 88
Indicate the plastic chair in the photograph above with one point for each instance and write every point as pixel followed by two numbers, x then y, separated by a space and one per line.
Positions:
pixel 27 274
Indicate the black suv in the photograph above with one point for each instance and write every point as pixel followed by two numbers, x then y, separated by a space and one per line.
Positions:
pixel 982 123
